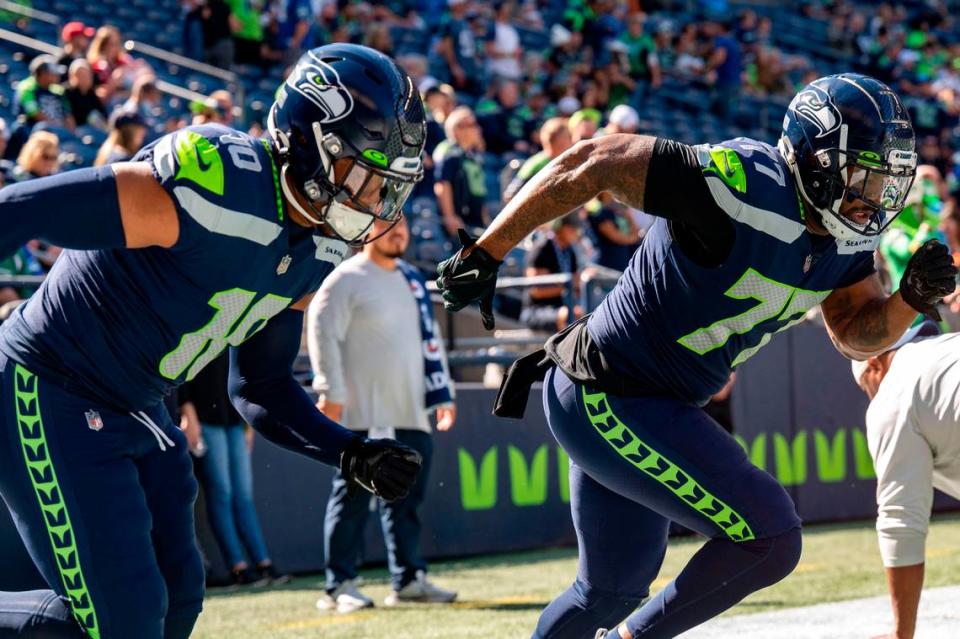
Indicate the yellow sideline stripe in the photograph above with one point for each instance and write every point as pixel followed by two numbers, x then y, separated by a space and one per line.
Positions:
pixel 327 620
pixel 486 603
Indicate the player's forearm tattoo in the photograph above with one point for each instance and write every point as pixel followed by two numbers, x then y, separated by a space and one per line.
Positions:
pixel 869 329
pixel 615 163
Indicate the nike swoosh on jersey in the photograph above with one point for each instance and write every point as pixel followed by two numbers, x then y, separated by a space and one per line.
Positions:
pixel 203 166
pixel 475 272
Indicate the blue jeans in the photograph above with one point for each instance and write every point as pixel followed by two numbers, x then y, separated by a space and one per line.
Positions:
pixel 347 516
pixel 103 501
pixel 228 484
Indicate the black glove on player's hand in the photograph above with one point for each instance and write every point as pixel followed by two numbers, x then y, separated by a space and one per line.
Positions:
pixel 929 277
pixel 385 467
pixel 468 276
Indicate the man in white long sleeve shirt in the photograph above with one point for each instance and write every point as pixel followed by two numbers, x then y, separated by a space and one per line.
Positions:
pixel 913 432
pixel 370 356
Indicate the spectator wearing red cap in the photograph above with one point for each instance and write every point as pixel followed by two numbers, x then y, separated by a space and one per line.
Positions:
pixel 75 38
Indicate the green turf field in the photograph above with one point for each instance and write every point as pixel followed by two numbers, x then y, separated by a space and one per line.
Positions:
pixel 501 596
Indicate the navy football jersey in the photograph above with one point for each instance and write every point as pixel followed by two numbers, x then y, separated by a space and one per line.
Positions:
pixel 676 327
pixel 126 326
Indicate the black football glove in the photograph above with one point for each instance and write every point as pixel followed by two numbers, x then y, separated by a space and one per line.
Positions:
pixel 385 467
pixel 468 276
pixel 929 277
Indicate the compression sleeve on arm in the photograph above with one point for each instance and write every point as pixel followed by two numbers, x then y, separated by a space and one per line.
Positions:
pixel 267 396
pixel 78 209
pixel 676 189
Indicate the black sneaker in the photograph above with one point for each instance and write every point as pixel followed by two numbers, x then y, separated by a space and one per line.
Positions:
pixel 248 577
pixel 269 572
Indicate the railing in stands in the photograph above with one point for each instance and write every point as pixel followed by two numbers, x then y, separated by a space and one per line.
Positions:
pixel 232 80
pixel 21 280
pixel 29 43
pixel 44 47
pixel 504 346
pixel 29 12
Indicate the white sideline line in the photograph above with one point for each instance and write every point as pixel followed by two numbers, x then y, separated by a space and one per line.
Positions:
pixel 939 618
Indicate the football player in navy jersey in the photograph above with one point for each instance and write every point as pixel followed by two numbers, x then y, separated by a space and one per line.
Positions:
pixel 209 238
pixel 750 237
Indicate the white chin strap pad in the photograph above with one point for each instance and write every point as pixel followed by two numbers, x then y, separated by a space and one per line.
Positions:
pixel 838 229
pixel 351 225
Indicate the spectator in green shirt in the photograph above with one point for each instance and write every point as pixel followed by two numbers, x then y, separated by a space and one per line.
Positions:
pixel 247 31
pixel 641 52
pixel 40 99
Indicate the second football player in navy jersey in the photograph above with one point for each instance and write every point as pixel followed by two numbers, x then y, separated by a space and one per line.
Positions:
pixel 209 239
pixel 750 238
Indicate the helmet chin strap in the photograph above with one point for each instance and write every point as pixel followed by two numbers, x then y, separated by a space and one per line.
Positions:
pixel 349 225
pixel 291 198
pixel 832 225
pixel 839 230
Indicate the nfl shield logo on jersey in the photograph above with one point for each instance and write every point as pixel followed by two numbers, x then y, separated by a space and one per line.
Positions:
pixel 284 265
pixel 94 420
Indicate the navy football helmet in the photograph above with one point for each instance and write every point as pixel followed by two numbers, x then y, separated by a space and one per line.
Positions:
pixel 848 138
pixel 349 127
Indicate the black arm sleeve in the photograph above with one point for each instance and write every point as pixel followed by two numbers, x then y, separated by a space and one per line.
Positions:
pixel 77 209
pixel 677 191
pixel 267 396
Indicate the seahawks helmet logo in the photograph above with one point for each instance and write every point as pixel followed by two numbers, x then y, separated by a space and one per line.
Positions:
pixel 815 106
pixel 320 83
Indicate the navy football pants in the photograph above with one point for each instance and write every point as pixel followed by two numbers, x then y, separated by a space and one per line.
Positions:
pixel 637 464
pixel 106 515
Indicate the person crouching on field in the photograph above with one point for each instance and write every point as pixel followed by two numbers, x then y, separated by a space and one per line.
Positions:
pixel 913 433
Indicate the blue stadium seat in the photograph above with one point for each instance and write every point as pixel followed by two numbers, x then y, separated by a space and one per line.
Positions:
pixel 90 135
pixel 77 154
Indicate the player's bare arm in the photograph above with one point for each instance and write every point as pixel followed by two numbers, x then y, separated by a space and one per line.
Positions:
pixel 148 215
pixel 619 164
pixel 863 321
pixel 616 163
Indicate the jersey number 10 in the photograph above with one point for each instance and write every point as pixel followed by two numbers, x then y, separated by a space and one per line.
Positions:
pixel 237 319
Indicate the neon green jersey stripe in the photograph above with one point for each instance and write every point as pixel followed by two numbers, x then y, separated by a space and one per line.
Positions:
pixel 658 467
pixel 43 476
pixel 276 179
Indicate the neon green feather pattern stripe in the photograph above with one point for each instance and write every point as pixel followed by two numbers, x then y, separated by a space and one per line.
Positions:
pixel 36 454
pixel 276 178
pixel 661 469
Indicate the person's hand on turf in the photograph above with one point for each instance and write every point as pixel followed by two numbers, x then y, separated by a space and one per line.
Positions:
pixel 469 276
pixel 385 467
pixel 929 277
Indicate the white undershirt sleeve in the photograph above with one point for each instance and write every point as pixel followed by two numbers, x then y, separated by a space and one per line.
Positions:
pixel 328 318
pixel 904 465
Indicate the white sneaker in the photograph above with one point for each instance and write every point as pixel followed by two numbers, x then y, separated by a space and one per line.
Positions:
pixel 346 598
pixel 601 633
pixel 420 590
